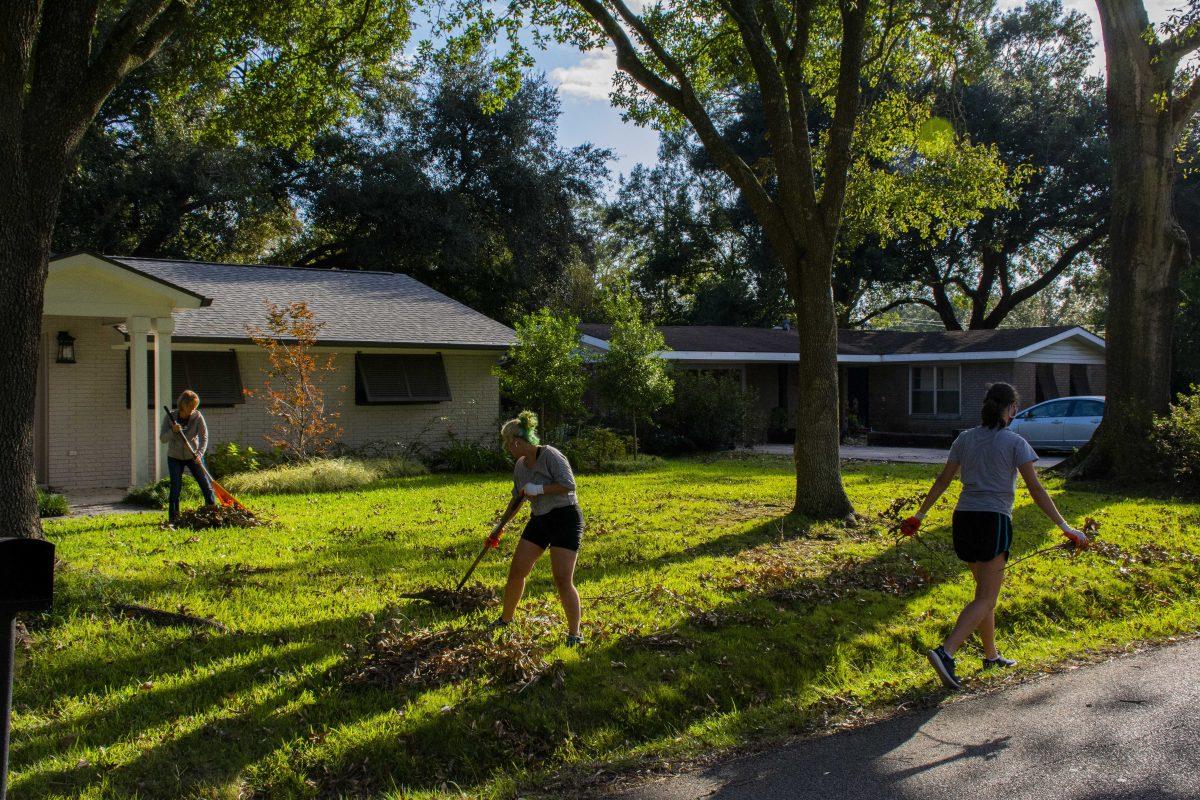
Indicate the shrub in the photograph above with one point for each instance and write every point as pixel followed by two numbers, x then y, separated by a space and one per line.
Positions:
pixel 50 504
pixel 471 457
pixel 592 449
pixel 1177 440
pixel 156 493
pixel 229 459
pixel 713 412
pixel 322 475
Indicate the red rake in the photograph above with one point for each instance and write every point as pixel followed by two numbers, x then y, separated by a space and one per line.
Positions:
pixel 492 542
pixel 223 496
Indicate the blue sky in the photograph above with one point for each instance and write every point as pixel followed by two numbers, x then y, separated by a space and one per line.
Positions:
pixel 583 81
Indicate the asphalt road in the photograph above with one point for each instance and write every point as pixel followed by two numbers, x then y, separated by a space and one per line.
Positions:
pixel 1124 729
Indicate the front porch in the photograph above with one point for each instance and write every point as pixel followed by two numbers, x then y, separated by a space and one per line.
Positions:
pixel 96 420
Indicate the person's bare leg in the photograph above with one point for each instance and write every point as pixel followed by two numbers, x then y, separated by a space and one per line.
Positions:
pixel 989 576
pixel 562 564
pixel 524 558
pixel 987 635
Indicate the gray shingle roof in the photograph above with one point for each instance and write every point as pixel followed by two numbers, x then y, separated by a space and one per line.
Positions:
pixel 730 339
pixel 358 308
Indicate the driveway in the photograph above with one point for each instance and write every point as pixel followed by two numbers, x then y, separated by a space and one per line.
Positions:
pixel 1124 729
pixel 906 455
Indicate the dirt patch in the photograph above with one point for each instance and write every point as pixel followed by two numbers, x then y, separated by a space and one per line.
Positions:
pixel 469 598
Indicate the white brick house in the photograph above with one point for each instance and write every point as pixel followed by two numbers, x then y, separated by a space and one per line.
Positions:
pixel 410 361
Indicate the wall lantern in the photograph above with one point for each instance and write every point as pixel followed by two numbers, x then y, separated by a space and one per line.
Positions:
pixel 66 348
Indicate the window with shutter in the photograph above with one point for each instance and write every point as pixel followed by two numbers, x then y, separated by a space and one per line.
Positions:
pixel 390 379
pixel 212 374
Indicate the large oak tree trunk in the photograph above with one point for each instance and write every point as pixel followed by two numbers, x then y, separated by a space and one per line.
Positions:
pixel 26 211
pixel 819 490
pixel 1146 252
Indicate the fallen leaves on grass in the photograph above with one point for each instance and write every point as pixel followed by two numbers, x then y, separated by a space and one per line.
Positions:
pixel 775 572
pixel 469 598
pixel 399 657
pixel 207 517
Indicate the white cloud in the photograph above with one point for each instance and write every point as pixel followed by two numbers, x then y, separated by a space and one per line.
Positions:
pixel 590 79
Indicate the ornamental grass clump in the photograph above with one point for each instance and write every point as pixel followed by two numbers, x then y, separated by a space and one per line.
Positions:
pixel 323 475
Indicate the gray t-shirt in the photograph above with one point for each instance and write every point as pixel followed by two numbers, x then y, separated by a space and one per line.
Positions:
pixel 551 467
pixel 989 458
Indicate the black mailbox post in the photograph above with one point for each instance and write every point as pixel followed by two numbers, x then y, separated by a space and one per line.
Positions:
pixel 26 584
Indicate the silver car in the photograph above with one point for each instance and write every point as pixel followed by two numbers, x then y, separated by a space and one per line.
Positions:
pixel 1061 424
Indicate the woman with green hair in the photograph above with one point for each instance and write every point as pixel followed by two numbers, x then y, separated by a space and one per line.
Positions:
pixel 543 476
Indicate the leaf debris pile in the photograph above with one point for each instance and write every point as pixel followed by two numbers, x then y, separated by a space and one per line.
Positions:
pixel 399 657
pixel 775 573
pixel 469 598
pixel 207 517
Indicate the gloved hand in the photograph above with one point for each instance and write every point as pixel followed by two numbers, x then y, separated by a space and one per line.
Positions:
pixel 1077 537
pixel 533 489
pixel 910 526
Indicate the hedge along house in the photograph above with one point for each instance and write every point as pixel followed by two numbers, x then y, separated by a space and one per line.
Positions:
pixel 122 337
pixel 907 387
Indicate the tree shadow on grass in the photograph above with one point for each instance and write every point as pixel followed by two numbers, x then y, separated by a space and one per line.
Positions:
pixel 211 674
pixel 751 662
pixel 642 690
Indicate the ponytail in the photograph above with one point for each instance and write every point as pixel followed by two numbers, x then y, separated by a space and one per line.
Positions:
pixel 998 398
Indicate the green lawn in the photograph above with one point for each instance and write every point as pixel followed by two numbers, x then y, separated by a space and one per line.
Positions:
pixel 711 619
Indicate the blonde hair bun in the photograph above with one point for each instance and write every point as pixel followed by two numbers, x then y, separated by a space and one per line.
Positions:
pixel 523 427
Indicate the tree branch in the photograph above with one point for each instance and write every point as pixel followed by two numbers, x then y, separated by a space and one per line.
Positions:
pixel 845 113
pixel 682 98
pixel 1008 301
pixel 903 301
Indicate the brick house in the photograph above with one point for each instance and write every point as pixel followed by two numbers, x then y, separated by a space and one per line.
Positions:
pixel 121 337
pixel 905 386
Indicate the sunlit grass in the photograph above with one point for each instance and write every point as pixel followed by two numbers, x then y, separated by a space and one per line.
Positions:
pixel 112 708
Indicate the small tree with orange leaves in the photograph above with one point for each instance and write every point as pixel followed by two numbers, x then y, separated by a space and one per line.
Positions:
pixel 304 426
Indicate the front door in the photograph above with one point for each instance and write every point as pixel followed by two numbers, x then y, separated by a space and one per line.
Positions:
pixel 858 394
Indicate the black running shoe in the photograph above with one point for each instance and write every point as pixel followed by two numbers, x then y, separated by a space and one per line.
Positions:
pixel 999 661
pixel 573 640
pixel 943 664
pixel 497 624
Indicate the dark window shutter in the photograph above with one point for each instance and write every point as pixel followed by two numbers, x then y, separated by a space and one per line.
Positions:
pixel 390 378
pixel 1079 379
pixel 212 374
pixel 1046 388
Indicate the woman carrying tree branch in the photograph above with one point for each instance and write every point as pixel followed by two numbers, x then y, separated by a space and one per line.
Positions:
pixel 543 476
pixel 990 457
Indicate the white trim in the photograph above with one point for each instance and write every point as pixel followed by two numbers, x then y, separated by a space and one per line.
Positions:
pixel 889 358
pixel 593 341
pixel 253 348
pixel 935 414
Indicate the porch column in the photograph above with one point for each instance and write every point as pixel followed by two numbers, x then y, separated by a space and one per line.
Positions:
pixel 163 328
pixel 139 422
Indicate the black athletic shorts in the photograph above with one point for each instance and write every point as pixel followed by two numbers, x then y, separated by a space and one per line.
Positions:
pixel 559 527
pixel 982 535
